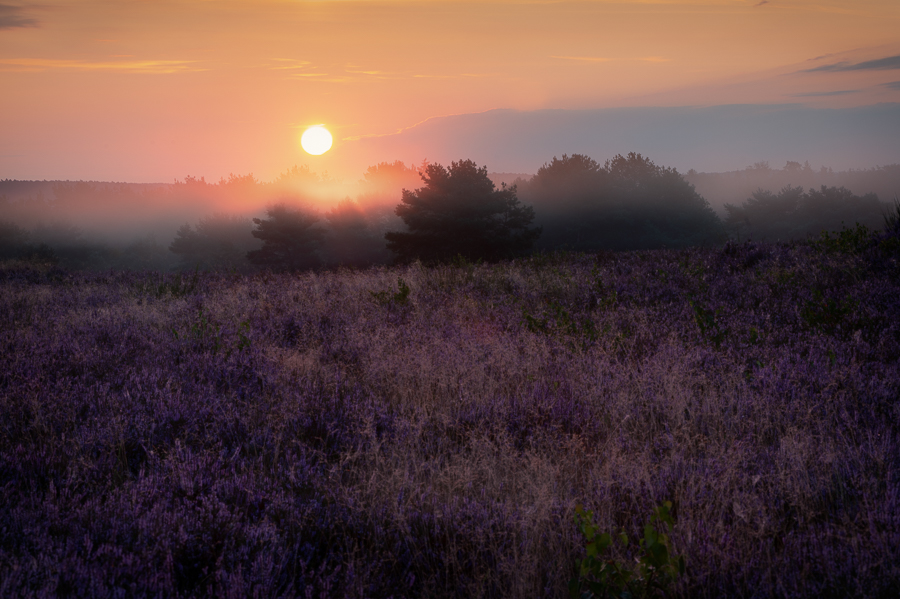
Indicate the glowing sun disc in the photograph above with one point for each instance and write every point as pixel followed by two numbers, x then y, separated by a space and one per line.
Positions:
pixel 316 140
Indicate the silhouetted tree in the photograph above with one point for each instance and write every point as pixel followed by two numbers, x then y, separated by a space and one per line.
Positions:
pixel 459 212
pixel 571 181
pixel 70 248
pixel 144 254
pixel 765 216
pixel 831 208
pixel 655 207
pixel 13 239
pixel 892 219
pixel 379 189
pixel 629 203
pixel 564 192
pixel 390 176
pixel 298 174
pixel 794 214
pixel 219 241
pixel 290 239
pixel 351 240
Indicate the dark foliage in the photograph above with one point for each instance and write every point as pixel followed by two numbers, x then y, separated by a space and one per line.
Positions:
pixel 629 203
pixel 62 245
pixel 383 182
pixel 794 213
pixel 892 219
pixel 291 239
pixel 722 188
pixel 12 239
pixel 218 242
pixel 352 240
pixel 459 212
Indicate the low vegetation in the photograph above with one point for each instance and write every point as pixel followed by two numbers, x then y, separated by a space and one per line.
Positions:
pixel 458 430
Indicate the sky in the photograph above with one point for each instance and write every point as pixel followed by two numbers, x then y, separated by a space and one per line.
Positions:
pixel 152 91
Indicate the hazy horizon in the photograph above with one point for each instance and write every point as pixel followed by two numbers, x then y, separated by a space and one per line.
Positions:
pixel 154 92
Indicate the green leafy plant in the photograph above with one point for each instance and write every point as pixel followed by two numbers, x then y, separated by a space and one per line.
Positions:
pixel 706 322
pixel 207 332
pixel 535 325
pixel 556 319
pixel 401 298
pixel 209 335
pixel 601 297
pixel 652 572
pixel 243 335
pixel 846 241
pixel 827 314
pixel 754 336
pixel 468 266
pixel 177 287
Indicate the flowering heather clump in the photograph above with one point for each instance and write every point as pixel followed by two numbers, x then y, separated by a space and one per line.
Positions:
pixel 429 432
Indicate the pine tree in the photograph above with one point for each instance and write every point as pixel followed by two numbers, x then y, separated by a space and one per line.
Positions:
pixel 290 239
pixel 459 212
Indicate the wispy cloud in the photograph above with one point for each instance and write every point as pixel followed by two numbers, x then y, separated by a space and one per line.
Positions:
pixel 124 66
pixel 892 85
pixel 761 3
pixel 12 17
pixel 879 64
pixel 821 57
pixel 289 64
pixel 840 92
pixel 320 77
pixel 606 59
pixel 584 58
pixel 373 73
pixel 452 76
pixel 304 70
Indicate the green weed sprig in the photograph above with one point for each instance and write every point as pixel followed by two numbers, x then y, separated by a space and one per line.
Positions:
pixel 401 298
pixel 654 570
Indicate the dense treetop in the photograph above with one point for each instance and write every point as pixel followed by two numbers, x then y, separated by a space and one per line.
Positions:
pixel 628 203
pixel 459 212
pixel 793 213
pixel 290 239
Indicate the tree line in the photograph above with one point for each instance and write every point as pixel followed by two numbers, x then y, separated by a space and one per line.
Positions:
pixel 572 203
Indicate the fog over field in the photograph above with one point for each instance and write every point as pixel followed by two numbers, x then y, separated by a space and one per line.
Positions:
pixel 569 194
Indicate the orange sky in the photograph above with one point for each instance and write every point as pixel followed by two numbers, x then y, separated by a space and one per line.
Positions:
pixel 149 90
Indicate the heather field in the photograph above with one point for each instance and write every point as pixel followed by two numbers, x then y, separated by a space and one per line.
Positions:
pixel 429 431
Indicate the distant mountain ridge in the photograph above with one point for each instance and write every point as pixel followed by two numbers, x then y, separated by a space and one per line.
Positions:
pixel 706 138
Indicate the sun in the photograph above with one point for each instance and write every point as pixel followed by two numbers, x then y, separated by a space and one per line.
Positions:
pixel 316 140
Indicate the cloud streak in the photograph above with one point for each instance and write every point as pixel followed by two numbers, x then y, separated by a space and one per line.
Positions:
pixel 605 59
pixel 840 92
pixel 129 66
pixel 879 64
pixel 289 64
pixel 583 58
pixel 11 17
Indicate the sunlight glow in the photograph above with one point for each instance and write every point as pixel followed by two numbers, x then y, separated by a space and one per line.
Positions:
pixel 316 140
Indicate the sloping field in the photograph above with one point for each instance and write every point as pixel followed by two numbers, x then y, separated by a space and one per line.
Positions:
pixel 428 432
